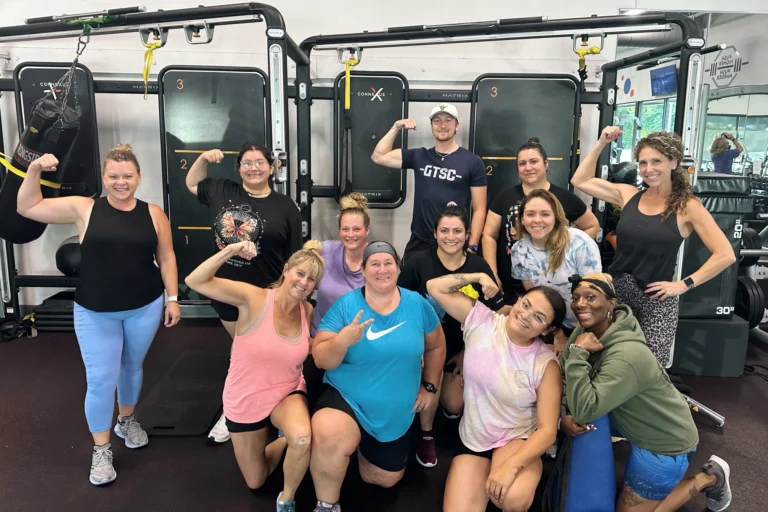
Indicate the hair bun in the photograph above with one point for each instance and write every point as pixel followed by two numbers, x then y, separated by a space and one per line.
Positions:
pixel 354 201
pixel 312 245
pixel 124 147
pixel 534 140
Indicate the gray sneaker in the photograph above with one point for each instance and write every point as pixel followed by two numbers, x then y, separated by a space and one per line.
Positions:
pixel 322 506
pixel 130 430
pixel 102 470
pixel 718 495
pixel 285 506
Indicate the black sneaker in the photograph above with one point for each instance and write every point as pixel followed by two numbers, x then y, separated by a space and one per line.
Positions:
pixel 719 494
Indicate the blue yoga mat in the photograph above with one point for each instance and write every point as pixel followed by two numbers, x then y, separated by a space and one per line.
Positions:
pixel 591 478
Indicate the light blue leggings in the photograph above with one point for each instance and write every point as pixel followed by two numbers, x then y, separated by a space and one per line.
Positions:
pixel 113 346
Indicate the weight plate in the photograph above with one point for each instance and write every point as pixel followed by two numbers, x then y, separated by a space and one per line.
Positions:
pixel 743 293
pixel 759 305
pixel 751 286
pixel 750 301
pixel 750 239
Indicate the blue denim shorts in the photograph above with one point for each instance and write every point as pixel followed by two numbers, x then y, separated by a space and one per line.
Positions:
pixel 652 476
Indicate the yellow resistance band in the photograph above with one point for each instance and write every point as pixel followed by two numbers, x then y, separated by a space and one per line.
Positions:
pixel 151 47
pixel 349 63
pixel 6 161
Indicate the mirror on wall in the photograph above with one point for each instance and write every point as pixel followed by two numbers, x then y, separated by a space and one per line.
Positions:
pixel 735 139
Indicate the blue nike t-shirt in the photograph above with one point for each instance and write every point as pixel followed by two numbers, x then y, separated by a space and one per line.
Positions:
pixel 380 375
pixel 438 181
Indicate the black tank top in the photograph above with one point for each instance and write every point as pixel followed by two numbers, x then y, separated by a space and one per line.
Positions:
pixel 646 245
pixel 117 270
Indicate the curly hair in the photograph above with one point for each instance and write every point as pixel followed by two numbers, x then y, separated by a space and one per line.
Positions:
pixel 670 145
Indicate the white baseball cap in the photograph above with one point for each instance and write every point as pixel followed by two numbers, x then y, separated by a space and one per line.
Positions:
pixel 444 107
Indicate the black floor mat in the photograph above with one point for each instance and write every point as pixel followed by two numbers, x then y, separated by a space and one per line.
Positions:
pixel 187 399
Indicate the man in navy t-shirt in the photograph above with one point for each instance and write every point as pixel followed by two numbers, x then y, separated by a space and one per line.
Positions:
pixel 446 173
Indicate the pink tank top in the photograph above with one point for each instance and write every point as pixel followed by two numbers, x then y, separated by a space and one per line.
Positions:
pixel 264 367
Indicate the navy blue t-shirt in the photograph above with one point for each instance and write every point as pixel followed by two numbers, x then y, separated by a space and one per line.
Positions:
pixel 724 161
pixel 439 181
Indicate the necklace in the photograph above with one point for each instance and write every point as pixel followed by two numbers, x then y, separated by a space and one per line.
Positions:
pixel 442 155
pixel 265 194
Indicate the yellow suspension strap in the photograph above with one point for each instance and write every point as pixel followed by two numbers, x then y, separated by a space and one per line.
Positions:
pixel 346 141
pixel 151 47
pixel 351 62
pixel 159 38
pixel 5 161
pixel 584 51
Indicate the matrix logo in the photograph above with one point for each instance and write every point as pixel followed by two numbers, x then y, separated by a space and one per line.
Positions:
pixel 374 94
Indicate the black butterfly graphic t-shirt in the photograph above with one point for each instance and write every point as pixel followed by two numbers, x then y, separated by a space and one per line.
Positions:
pixel 272 223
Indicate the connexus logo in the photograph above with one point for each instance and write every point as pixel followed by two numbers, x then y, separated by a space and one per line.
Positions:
pixel 374 94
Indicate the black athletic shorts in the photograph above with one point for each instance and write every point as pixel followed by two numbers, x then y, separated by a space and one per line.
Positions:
pixel 226 312
pixel 391 456
pixel 464 450
pixel 234 426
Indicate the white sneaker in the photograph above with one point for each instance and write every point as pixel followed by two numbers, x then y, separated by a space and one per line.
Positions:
pixel 102 470
pixel 219 433
pixel 129 429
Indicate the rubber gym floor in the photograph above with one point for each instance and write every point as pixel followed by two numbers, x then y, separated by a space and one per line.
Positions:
pixel 45 446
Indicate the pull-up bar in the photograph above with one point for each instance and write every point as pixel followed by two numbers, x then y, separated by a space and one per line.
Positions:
pixel 133 18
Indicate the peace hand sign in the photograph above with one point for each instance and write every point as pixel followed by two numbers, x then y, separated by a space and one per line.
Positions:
pixel 352 333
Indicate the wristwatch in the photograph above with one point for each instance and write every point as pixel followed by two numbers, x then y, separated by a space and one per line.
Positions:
pixel 473 248
pixel 429 387
pixel 689 282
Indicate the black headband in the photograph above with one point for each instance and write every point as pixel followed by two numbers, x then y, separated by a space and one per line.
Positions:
pixel 606 288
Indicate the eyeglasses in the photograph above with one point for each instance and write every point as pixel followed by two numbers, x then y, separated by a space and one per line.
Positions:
pixel 536 317
pixel 248 164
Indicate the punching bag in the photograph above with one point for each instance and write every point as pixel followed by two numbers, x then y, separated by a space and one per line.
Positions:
pixel 51 128
pixel 68 257
pixel 583 479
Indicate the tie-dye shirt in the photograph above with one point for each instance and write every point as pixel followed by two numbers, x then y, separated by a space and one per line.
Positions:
pixel 582 256
pixel 500 382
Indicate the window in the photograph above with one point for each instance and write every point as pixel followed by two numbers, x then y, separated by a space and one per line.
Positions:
pixel 651 117
pixel 654 116
pixel 669 118
pixel 625 118
pixel 755 136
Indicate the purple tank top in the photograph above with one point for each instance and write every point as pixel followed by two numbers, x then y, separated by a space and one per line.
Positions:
pixel 337 280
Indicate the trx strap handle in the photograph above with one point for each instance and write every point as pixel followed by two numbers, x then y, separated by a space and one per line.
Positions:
pixel 346 152
pixel 586 50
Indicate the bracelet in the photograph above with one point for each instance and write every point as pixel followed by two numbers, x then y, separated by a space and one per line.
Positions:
pixel 579 346
pixel 172 298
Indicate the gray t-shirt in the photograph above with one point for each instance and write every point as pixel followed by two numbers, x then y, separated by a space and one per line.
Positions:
pixel 582 256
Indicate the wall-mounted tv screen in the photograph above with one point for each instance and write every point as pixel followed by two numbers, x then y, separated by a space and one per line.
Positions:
pixel 664 80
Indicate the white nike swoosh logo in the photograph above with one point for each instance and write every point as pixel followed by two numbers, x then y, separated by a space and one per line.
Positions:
pixel 376 335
